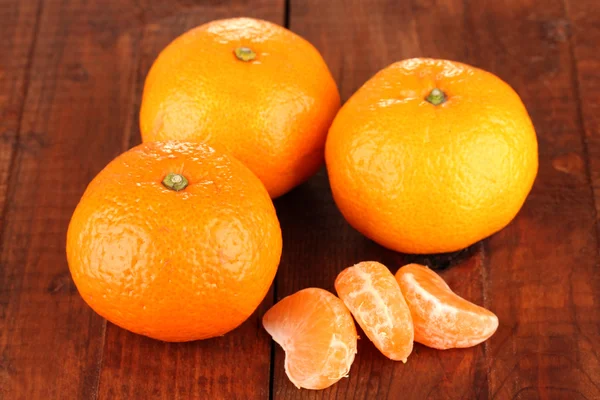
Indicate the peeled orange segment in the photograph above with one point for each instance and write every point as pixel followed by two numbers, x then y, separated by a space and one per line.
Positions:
pixel 373 296
pixel 317 334
pixel 442 319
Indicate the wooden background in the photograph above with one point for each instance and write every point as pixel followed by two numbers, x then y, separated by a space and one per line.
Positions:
pixel 71 77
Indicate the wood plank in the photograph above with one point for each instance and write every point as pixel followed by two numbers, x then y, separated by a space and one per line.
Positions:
pixel 18 30
pixel 539 272
pixel 542 275
pixel 584 32
pixel 74 114
pixel 364 37
pixel 80 95
pixel 235 366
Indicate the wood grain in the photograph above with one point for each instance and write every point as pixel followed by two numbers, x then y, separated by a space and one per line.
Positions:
pixel 235 366
pixel 364 37
pixel 538 274
pixel 71 77
pixel 542 278
pixel 18 30
pixel 71 125
pixel 584 34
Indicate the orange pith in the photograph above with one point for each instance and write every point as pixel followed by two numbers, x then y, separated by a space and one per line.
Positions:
pixel 318 336
pixel 373 296
pixel 441 318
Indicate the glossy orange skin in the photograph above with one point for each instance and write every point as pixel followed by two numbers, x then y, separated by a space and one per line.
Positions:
pixel 272 113
pixel 174 266
pixel 421 178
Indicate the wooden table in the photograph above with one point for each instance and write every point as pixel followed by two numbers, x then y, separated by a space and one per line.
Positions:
pixel 71 76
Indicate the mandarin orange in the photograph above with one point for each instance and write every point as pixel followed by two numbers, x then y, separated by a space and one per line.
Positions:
pixel 175 241
pixel 431 156
pixel 442 319
pixel 249 86
pixel 317 334
pixel 373 296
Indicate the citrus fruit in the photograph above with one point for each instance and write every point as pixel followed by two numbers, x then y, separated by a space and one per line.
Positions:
pixel 442 319
pixel 431 156
pixel 174 241
pixel 373 296
pixel 317 334
pixel 249 86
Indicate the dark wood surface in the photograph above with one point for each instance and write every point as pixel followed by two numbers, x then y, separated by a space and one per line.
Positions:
pixel 71 75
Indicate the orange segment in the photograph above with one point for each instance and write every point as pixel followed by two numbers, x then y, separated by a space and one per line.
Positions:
pixel 442 319
pixel 317 334
pixel 373 296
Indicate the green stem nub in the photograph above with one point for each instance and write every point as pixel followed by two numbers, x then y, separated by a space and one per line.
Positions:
pixel 436 97
pixel 175 182
pixel 244 54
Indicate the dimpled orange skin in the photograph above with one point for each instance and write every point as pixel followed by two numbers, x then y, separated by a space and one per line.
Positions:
pixel 272 113
pixel 174 266
pixel 421 178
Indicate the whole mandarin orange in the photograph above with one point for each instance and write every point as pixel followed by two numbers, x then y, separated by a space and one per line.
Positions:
pixel 249 86
pixel 175 241
pixel 431 156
